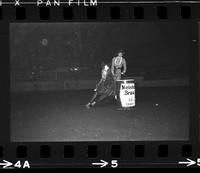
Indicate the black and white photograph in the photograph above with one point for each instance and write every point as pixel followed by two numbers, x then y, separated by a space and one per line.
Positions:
pixel 199 76
pixel 124 81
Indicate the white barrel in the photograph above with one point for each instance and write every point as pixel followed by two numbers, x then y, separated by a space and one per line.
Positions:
pixel 127 92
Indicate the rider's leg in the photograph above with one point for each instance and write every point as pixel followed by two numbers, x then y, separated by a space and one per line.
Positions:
pixel 115 86
pixel 118 77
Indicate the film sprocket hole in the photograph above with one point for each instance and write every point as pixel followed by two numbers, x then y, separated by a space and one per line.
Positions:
pixel 99 84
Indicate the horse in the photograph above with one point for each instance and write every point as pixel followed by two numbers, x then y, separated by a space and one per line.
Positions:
pixel 106 86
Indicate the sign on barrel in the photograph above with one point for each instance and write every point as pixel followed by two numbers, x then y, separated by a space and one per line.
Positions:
pixel 127 93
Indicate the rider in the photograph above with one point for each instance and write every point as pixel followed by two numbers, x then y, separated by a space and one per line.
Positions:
pixel 116 68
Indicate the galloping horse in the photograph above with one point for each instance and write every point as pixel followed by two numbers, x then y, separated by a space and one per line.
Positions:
pixel 105 87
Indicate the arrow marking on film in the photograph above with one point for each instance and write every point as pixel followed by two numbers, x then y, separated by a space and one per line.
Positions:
pixel 101 164
pixel 6 164
pixel 189 162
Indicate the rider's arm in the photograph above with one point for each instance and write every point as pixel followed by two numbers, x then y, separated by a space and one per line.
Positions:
pixel 124 65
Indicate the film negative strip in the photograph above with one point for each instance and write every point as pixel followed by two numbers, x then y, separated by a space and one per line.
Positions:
pixel 98 84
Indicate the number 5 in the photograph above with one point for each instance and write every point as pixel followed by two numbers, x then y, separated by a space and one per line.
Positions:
pixel 198 161
pixel 114 164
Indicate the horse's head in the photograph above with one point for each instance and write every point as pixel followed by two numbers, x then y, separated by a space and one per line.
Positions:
pixel 105 70
pixel 106 67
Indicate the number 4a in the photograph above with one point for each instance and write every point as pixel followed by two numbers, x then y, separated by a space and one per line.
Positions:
pixel 25 165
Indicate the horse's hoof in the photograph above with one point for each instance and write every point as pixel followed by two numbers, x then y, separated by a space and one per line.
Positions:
pixel 88 106
pixel 93 103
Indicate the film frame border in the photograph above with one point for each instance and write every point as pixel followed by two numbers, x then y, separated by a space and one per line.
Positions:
pixel 81 154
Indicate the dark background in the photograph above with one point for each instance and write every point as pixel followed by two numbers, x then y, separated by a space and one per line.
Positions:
pixel 150 48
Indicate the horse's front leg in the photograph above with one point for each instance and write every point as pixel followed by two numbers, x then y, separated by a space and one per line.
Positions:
pixel 94 97
pixel 103 96
pixel 92 101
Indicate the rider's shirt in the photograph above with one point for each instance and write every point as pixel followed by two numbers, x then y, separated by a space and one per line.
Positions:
pixel 118 62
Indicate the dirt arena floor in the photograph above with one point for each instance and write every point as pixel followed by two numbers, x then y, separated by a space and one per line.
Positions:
pixel 160 114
